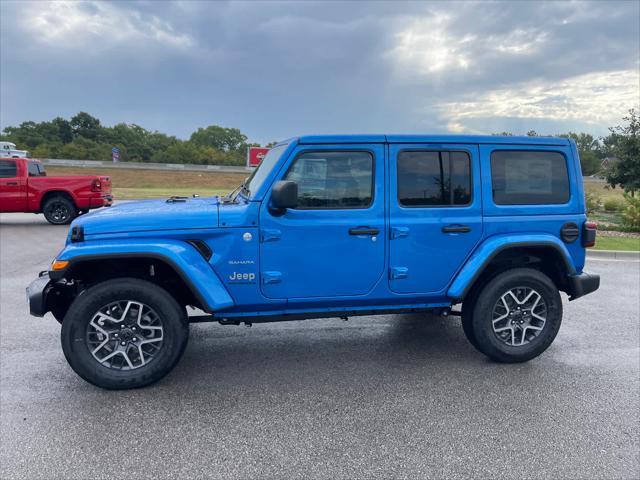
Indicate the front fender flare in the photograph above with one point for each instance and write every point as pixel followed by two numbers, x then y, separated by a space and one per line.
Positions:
pixel 492 247
pixel 194 270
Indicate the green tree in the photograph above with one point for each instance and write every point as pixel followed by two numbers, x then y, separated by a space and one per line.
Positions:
pixel 220 138
pixel 73 151
pixel 624 144
pixel 589 149
pixel 84 125
pixel 64 132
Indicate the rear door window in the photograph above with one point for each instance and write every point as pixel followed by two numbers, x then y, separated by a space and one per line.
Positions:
pixel 529 178
pixel 8 169
pixel 434 178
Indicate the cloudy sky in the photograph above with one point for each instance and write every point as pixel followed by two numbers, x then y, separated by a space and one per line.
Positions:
pixel 277 69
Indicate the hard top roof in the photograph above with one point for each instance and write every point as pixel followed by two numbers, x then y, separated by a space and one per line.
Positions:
pixel 319 139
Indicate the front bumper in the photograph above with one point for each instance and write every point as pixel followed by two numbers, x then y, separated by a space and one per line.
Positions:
pixel 582 284
pixel 37 293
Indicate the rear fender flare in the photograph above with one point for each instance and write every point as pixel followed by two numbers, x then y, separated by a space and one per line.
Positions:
pixel 188 263
pixel 491 247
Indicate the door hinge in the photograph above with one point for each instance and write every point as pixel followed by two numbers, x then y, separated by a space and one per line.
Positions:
pixel 399 232
pixel 396 273
pixel 270 235
pixel 269 278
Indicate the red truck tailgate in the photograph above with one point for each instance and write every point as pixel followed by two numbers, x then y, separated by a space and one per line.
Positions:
pixel 106 184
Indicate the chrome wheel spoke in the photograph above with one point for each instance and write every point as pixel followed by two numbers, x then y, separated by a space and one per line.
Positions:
pixel 125 335
pixel 502 317
pixel 519 315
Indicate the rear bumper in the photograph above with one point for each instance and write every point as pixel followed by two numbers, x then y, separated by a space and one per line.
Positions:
pixel 37 293
pixel 582 284
pixel 102 201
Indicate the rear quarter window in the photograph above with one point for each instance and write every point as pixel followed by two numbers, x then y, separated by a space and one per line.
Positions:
pixel 529 177
pixel 35 169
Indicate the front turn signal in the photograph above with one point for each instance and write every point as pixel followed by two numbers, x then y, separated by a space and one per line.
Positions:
pixel 59 265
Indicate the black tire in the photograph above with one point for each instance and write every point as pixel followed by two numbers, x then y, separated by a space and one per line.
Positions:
pixel 59 210
pixel 76 324
pixel 466 318
pixel 479 329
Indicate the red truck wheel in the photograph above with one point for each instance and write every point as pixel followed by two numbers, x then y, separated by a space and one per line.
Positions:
pixel 59 210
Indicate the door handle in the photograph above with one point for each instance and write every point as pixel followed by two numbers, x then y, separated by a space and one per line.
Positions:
pixel 363 231
pixel 456 229
pixel 11 183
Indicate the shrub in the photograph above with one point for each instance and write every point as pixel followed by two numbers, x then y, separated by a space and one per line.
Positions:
pixel 631 214
pixel 593 202
pixel 614 205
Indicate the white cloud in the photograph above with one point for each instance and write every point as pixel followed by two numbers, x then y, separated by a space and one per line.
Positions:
pixel 599 98
pixel 71 24
pixel 519 41
pixel 427 47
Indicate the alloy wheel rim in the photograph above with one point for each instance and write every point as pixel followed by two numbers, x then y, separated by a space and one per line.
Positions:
pixel 59 212
pixel 519 316
pixel 125 335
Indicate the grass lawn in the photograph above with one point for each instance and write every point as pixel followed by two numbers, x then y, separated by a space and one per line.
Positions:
pixel 599 187
pixel 617 243
pixel 129 184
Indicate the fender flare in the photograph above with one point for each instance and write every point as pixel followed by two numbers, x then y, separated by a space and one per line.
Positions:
pixel 188 263
pixel 53 191
pixel 491 247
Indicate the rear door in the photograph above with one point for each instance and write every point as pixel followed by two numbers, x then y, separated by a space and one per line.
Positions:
pixel 435 214
pixel 333 243
pixel 13 197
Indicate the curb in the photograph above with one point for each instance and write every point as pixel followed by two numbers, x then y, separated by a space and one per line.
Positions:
pixel 617 254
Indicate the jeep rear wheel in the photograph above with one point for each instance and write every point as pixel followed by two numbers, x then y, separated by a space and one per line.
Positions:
pixel 515 317
pixel 124 333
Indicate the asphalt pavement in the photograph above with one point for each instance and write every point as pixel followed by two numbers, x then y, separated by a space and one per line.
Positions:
pixel 396 396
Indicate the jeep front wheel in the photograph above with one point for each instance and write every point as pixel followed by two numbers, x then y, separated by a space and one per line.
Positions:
pixel 516 316
pixel 124 333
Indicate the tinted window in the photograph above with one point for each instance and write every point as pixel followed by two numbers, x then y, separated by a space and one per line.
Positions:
pixel 8 169
pixel 529 178
pixel 428 178
pixel 333 179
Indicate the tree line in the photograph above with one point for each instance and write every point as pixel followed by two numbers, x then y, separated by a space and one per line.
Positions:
pixel 83 137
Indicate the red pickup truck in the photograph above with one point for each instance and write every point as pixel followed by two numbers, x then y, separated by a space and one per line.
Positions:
pixel 24 187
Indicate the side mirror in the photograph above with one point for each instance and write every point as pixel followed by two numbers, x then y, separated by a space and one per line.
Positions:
pixel 284 195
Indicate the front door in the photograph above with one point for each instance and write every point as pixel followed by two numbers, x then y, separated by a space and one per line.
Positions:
pixel 435 214
pixel 333 243
pixel 13 196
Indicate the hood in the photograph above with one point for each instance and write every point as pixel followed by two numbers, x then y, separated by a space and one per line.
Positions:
pixel 149 215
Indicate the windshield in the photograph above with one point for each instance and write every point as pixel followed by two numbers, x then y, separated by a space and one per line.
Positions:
pixel 257 178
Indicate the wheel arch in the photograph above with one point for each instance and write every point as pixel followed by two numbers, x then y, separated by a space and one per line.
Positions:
pixel 56 193
pixel 546 254
pixel 176 266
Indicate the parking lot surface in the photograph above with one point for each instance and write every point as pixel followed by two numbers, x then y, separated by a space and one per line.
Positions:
pixel 374 397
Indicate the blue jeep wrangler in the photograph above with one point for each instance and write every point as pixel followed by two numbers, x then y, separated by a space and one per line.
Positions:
pixel 331 226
